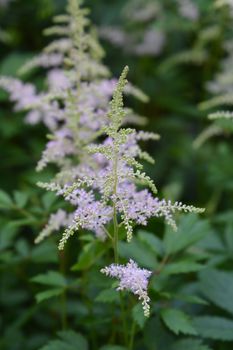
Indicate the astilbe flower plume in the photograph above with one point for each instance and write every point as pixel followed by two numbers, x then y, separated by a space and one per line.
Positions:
pixel 221 87
pixel 132 278
pixel 105 190
pixel 113 175
pixel 143 37
pixel 99 180
pixel 77 91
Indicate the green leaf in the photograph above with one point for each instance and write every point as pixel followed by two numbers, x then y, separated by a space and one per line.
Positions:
pixel 191 230
pixel 139 252
pixel 177 321
pixel 229 237
pixel 47 294
pixel 5 200
pixel 45 252
pixel 214 327
pixel 22 222
pixel 69 340
pixel 184 266
pixel 48 200
pixel 89 255
pixel 21 198
pixel 108 296
pixel 7 236
pixel 138 315
pixel 189 344
pixel 113 347
pixel 192 299
pixel 51 278
pixel 217 286
pixel 22 247
pixel 13 62
pixel 152 242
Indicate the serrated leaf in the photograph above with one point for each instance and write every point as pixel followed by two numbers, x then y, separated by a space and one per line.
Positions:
pixel 139 252
pixel 113 347
pixel 45 252
pixel 177 321
pixel 138 315
pixel 13 62
pixel 5 200
pixel 51 278
pixel 48 200
pixel 192 299
pixel 91 252
pixel 21 198
pixel 214 327
pixel 22 222
pixel 217 286
pixel 228 235
pixel 189 344
pixel 22 247
pixel 107 296
pixel 47 294
pixel 191 230
pixel 7 236
pixel 153 242
pixel 184 266
pixel 69 340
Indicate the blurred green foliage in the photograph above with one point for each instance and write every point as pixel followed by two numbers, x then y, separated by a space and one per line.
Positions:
pixel 192 288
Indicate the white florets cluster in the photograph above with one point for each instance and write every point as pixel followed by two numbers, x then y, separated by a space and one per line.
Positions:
pixel 132 278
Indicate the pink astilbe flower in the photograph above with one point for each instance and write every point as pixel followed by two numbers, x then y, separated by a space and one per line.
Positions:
pixel 45 60
pixel 152 43
pixel 22 94
pixel 57 80
pixel 91 214
pixel 108 179
pixel 132 278
pixel 57 149
pixel 56 221
pixel 188 9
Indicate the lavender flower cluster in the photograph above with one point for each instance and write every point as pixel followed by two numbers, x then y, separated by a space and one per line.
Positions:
pixel 151 38
pixel 133 278
pixel 104 188
pixel 99 179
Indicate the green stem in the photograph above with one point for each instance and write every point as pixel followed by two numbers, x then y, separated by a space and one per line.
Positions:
pixel 115 237
pixel 162 264
pixel 123 313
pixel 132 334
pixel 115 222
pixel 64 310
pixel 115 241
pixel 63 295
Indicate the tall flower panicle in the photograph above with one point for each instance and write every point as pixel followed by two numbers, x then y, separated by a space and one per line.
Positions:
pixel 75 100
pixel 98 159
pixel 132 278
pixel 145 36
pixel 111 181
pixel 219 107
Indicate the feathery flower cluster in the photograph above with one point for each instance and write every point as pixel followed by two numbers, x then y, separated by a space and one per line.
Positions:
pixel 148 39
pixel 132 278
pixel 99 180
pixel 4 3
pixel 115 180
pixel 77 86
pixel 57 220
pixel 188 9
pixel 104 188
pixel 222 89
